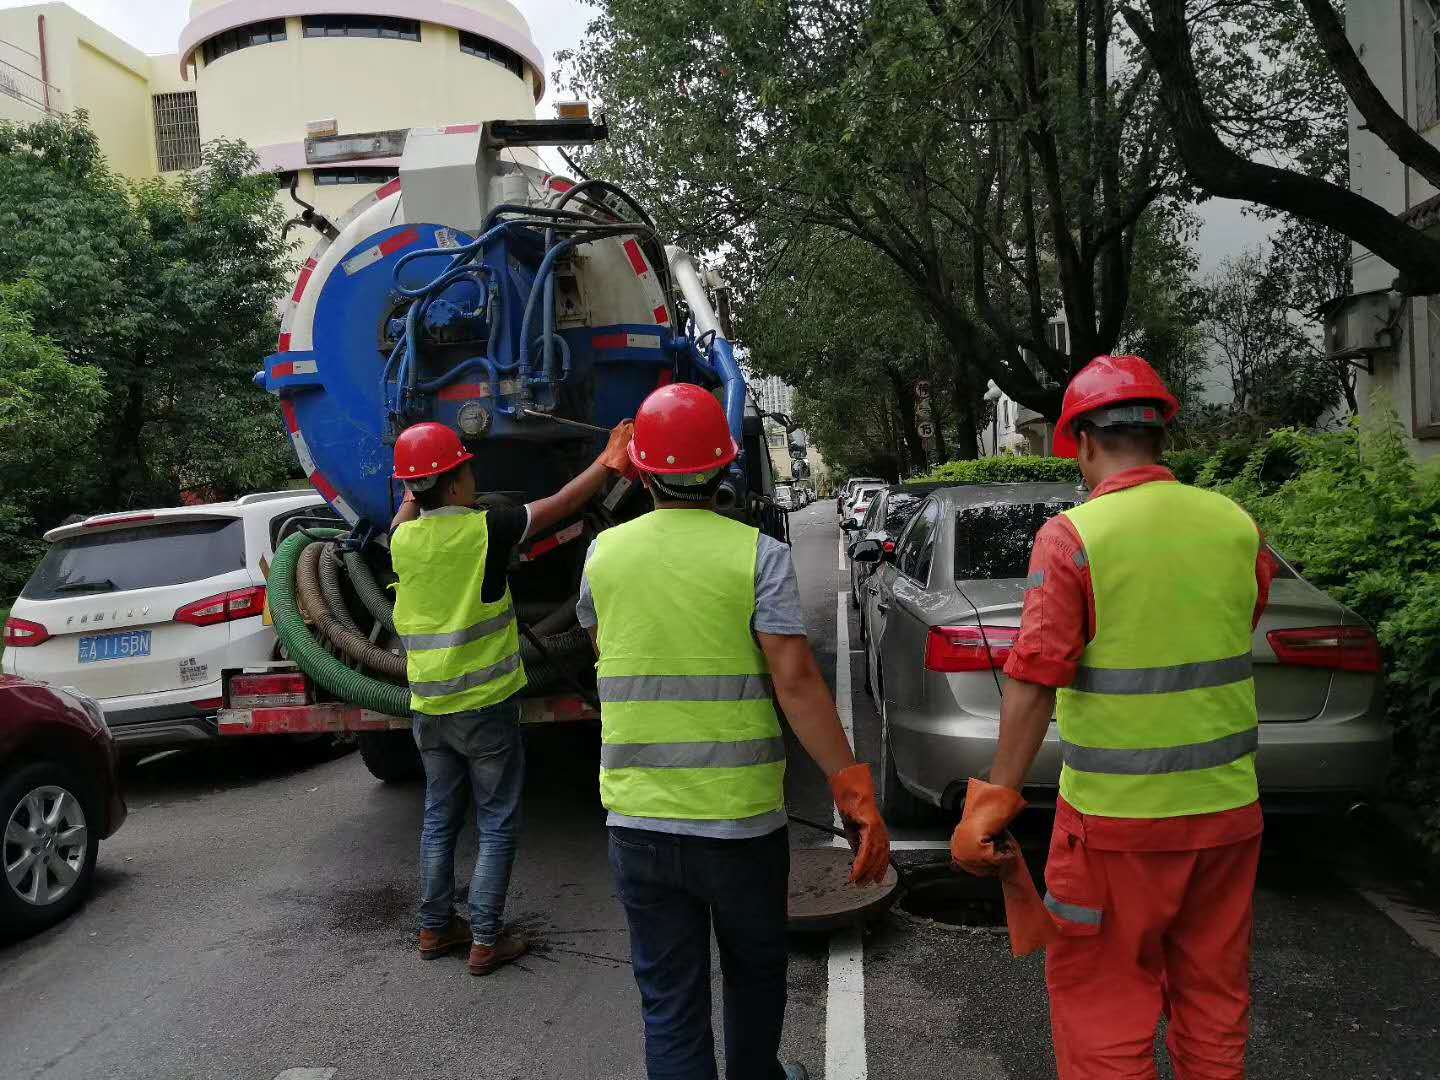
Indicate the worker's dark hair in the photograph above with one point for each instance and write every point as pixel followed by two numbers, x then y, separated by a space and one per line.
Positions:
pixel 433 497
pixel 1136 439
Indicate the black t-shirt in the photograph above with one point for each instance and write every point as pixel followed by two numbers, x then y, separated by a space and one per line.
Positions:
pixel 507 526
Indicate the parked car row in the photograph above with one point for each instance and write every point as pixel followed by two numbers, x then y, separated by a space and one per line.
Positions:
pixel 940 608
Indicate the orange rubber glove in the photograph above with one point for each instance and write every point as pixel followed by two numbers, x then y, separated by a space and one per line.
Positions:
pixel 615 456
pixel 854 793
pixel 981 845
pixel 989 810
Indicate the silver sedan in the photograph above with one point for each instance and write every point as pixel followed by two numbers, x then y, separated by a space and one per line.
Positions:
pixel 944 607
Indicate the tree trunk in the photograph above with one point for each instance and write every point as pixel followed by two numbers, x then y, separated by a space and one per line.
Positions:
pixel 967 417
pixel 914 446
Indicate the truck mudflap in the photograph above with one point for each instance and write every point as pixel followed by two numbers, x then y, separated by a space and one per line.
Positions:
pixel 336 717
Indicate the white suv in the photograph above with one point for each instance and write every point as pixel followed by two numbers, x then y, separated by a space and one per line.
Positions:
pixel 142 610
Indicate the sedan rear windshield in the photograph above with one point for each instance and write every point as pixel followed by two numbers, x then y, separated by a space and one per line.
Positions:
pixel 170 553
pixel 899 509
pixel 994 541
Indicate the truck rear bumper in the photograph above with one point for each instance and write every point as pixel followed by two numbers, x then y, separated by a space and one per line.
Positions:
pixel 318 719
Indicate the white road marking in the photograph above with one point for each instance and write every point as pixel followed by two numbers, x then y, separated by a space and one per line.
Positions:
pixel 845 999
pixel 306 1074
pixel 840 544
pixel 1419 923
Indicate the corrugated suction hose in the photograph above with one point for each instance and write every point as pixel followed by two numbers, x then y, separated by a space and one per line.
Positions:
pixel 367 588
pixel 358 648
pixel 334 595
pixel 345 683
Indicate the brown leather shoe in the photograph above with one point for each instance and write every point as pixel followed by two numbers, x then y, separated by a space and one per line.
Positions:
pixel 507 949
pixel 435 943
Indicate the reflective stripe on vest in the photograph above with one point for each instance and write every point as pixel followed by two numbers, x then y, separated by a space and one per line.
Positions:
pixel 461 653
pixel 688 723
pixel 1160 720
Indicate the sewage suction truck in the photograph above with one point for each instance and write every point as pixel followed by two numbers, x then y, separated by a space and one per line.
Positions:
pixel 529 313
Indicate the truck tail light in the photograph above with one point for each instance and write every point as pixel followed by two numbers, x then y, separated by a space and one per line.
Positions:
pixel 24 634
pixel 969 648
pixel 269 691
pixel 1338 648
pixel 224 607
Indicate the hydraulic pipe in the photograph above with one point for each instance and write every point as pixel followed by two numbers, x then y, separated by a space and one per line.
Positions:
pixel 722 355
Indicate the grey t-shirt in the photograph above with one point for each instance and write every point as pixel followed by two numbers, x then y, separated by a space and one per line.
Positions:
pixel 777 611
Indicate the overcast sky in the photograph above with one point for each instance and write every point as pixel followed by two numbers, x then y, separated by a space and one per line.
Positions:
pixel 155 25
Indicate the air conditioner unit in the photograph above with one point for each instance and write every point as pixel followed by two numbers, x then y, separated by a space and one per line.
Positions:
pixel 1361 326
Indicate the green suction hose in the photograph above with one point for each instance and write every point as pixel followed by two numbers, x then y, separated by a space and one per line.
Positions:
pixel 303 647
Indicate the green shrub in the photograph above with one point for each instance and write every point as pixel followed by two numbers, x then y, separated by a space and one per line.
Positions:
pixel 1005 469
pixel 1361 520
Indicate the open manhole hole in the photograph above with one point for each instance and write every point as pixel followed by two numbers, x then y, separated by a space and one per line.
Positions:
pixel 941 895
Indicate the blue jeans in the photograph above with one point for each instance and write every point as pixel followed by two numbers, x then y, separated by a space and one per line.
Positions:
pixel 483 750
pixel 674 890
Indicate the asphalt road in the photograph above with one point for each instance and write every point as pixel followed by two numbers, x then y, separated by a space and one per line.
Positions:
pixel 255 915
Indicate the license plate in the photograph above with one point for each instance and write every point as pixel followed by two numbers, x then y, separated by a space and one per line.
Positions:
pixel 121 646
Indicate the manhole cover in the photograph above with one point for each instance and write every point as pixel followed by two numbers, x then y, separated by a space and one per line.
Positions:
pixel 943 895
pixel 821 896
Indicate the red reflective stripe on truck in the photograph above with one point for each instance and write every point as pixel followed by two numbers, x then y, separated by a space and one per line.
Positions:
pixel 662 314
pixel 463 392
pixel 302 281
pixel 281 371
pixel 400 241
pixel 461 129
pixel 637 258
pixel 287 407
pixel 323 486
pixel 284 343
pixel 609 341
pixel 389 189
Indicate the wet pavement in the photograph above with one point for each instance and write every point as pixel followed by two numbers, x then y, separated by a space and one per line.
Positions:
pixel 255 915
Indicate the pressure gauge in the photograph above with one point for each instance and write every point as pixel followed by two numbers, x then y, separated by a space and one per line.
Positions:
pixel 474 419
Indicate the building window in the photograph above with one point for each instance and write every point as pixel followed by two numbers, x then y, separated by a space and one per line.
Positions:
pixel 475 45
pixel 1426 15
pixel 363 26
pixel 177 131
pixel 242 37
pixel 367 175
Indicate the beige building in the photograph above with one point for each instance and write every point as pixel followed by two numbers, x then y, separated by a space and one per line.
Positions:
pixel 269 72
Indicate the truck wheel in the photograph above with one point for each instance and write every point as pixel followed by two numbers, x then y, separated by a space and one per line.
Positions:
pixel 51 832
pixel 897 805
pixel 391 756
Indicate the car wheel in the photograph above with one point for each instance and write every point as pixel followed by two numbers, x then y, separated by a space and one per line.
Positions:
pixel 898 805
pixel 48 848
pixel 391 756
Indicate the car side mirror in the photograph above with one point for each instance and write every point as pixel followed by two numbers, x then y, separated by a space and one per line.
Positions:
pixel 867 551
pixel 849 526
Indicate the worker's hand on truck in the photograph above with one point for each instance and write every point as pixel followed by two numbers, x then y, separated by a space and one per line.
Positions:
pixel 616 455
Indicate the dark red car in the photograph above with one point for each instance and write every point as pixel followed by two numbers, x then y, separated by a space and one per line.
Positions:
pixel 59 797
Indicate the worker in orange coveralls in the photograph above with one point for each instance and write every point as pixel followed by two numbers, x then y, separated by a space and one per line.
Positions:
pixel 1136 633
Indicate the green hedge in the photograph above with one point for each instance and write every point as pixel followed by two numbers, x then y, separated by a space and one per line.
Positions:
pixel 1004 469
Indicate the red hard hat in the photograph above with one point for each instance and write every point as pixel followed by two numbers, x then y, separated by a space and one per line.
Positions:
pixel 1105 381
pixel 681 428
pixel 428 449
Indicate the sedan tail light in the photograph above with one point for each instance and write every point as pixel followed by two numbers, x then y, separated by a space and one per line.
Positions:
pixel 1339 648
pixel 269 691
pixel 224 607
pixel 24 634
pixel 969 648
pixel 889 547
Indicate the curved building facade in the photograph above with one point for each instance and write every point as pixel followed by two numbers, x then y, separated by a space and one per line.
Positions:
pixel 269 71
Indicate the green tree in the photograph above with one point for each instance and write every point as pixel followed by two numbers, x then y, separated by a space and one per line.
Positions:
pixel 170 289
pixel 48 407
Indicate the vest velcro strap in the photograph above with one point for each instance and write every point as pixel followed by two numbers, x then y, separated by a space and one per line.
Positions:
pixel 456 638
pixel 692 755
pixel 620 688
pixel 468 681
pixel 1164 759
pixel 1075 913
pixel 1162 680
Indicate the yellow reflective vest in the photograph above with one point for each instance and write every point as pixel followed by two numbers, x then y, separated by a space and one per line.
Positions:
pixel 461 653
pixel 687 718
pixel 1160 720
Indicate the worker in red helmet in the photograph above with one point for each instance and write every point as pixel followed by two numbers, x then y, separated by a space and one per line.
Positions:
pixel 1136 635
pixel 454 613
pixel 697 623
